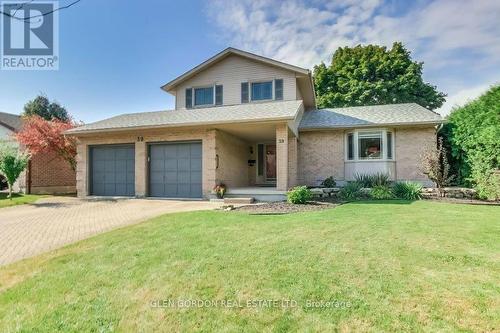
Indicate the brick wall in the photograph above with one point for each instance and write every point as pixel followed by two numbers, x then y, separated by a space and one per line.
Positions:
pixel 320 155
pixel 292 161
pixel 282 157
pixel 233 160
pixel 51 174
pixel 207 136
pixel 409 144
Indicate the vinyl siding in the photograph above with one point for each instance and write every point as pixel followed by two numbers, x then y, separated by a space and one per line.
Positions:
pixel 233 70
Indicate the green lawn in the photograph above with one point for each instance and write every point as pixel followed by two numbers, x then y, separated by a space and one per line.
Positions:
pixel 17 199
pixel 393 266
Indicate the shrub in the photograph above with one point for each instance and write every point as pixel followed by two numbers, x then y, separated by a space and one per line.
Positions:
pixel 371 180
pixel 381 179
pixel 299 195
pixel 329 182
pixel 487 183
pixel 408 190
pixel 381 192
pixel 351 191
pixel 472 133
pixel 12 164
pixel 434 164
pixel 363 179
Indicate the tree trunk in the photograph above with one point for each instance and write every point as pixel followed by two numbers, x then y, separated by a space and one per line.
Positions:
pixel 10 191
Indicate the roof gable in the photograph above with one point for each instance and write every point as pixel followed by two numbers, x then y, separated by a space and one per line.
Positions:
pixel 10 121
pixel 222 55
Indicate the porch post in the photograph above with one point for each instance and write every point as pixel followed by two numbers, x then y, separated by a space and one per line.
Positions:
pixel 82 170
pixel 141 168
pixel 209 162
pixel 282 157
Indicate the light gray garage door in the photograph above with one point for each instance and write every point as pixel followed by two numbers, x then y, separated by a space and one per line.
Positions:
pixel 175 170
pixel 113 170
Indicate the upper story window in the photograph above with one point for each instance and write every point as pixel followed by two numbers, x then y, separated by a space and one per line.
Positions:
pixel 262 90
pixel 204 96
pixel 369 145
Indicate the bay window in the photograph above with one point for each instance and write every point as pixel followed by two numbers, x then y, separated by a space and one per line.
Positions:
pixel 389 145
pixel 350 146
pixel 365 145
pixel 370 145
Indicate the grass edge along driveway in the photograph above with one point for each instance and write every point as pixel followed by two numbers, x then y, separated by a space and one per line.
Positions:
pixel 367 266
pixel 17 199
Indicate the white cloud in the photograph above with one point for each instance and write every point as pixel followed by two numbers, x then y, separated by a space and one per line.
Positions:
pixel 306 33
pixel 461 97
pixel 292 31
pixel 450 36
pixel 442 31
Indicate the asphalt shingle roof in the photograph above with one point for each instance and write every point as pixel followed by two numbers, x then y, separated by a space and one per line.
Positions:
pixel 11 120
pixel 286 110
pixel 409 113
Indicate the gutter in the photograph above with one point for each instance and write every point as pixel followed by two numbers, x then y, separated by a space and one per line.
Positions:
pixel 439 122
pixel 192 124
pixel 76 132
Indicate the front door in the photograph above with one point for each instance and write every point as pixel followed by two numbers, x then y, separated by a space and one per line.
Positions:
pixel 271 162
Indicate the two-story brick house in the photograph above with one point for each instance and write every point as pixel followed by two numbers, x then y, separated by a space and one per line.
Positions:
pixel 251 123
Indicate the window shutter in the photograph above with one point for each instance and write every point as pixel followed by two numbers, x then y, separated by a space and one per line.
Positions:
pixel 244 92
pixel 278 89
pixel 218 95
pixel 189 98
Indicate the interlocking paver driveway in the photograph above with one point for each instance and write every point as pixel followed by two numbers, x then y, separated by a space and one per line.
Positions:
pixel 51 223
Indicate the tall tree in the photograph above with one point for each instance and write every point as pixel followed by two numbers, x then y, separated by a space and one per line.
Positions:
pixel 12 163
pixel 372 75
pixel 473 132
pixel 40 135
pixel 42 107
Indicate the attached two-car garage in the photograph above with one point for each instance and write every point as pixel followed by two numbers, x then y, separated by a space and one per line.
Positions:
pixel 175 170
pixel 112 170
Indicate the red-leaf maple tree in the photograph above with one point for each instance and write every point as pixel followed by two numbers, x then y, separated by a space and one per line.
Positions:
pixel 41 136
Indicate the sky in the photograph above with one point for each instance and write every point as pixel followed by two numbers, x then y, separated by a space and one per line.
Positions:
pixel 115 54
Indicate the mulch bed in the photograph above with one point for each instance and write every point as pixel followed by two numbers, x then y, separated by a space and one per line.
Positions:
pixel 463 201
pixel 277 208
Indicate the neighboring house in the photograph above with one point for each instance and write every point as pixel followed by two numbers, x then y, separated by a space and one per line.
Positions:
pixel 46 173
pixel 251 123
pixel 9 124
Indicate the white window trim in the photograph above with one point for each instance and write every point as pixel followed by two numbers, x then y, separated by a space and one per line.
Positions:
pixel 383 146
pixel 250 97
pixel 193 101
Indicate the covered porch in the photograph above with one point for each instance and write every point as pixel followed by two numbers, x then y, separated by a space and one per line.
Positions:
pixel 256 160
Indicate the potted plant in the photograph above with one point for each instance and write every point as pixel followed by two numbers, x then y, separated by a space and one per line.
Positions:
pixel 220 190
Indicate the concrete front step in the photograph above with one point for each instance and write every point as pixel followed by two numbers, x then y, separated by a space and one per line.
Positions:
pixel 258 193
pixel 238 200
